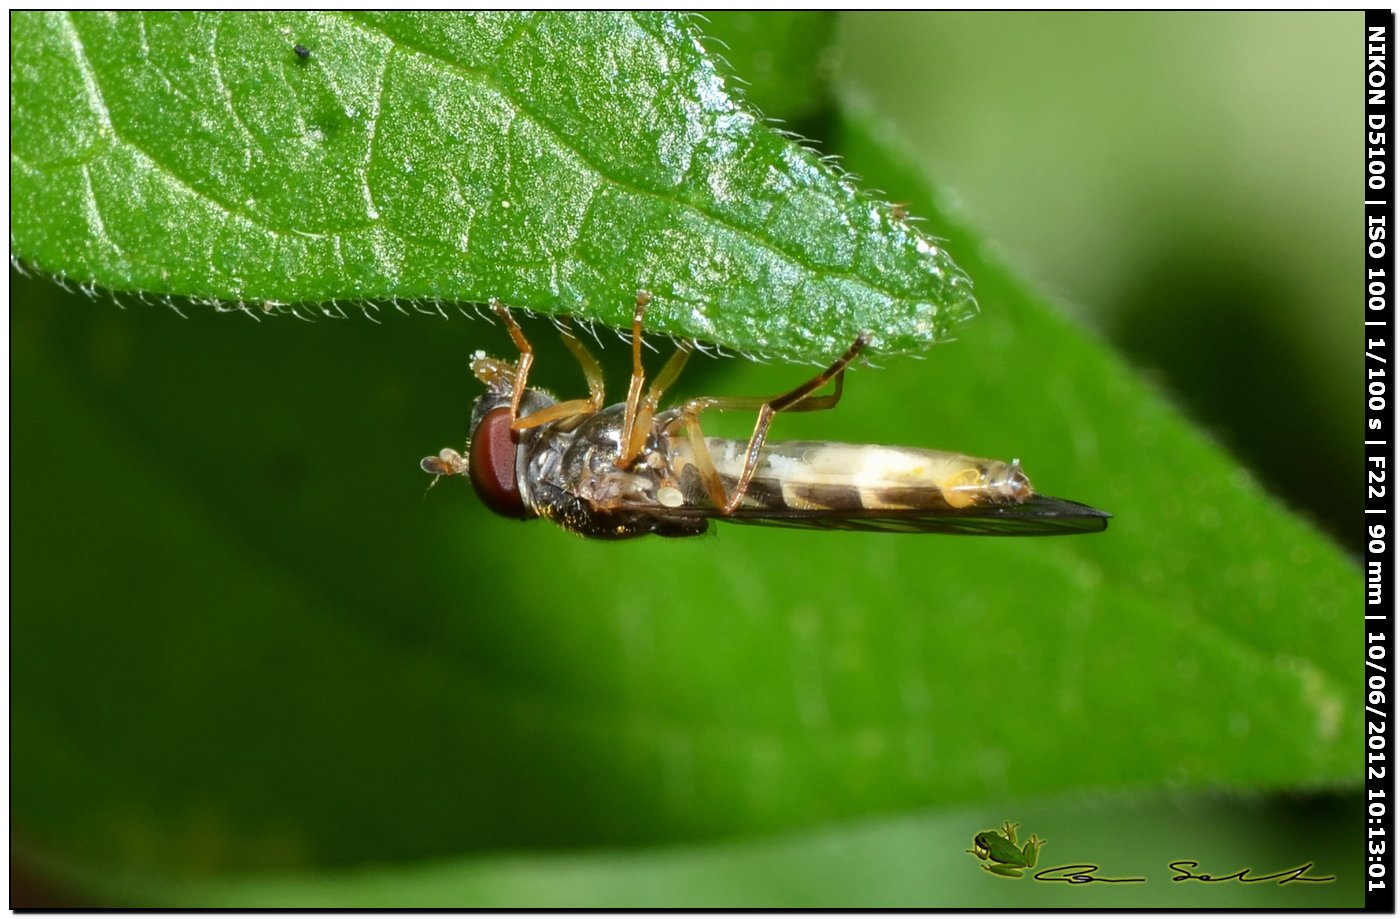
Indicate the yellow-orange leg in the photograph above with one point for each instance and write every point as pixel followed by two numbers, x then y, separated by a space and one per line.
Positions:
pixel 636 439
pixel 639 411
pixel 522 366
pixel 573 407
pixel 592 373
pixel 796 400
pixel 634 385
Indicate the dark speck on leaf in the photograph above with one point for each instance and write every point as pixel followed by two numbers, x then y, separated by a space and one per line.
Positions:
pixel 302 51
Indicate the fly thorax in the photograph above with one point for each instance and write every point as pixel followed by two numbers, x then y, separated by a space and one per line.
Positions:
pixel 615 488
pixel 605 485
pixel 589 470
pixel 541 461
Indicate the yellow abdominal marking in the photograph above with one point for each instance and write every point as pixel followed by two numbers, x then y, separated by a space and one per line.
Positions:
pixel 962 488
pixel 884 475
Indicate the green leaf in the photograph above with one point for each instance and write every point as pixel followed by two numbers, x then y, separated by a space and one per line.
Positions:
pixel 557 161
pixel 917 861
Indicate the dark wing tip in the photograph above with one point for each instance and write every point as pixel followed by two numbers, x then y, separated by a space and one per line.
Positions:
pixel 1092 519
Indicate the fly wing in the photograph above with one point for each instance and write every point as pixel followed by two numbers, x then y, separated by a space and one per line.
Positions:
pixel 1040 515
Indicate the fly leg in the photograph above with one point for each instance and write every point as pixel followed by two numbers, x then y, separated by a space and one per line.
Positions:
pixel 573 407
pixel 522 366
pixel 638 415
pixel 796 400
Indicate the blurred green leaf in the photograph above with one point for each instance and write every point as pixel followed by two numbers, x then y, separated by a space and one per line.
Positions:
pixel 1113 174
pixel 556 161
pixel 783 59
pixel 246 644
pixel 918 861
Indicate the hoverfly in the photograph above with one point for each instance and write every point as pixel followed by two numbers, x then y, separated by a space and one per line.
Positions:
pixel 629 470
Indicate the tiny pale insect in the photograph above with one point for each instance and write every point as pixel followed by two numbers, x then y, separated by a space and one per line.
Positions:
pixel 630 470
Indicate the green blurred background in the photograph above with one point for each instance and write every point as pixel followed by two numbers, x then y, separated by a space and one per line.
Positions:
pixel 1185 183
pixel 244 641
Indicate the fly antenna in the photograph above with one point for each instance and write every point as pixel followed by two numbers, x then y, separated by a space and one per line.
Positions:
pixel 447 462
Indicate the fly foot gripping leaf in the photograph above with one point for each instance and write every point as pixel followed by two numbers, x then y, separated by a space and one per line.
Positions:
pixel 556 161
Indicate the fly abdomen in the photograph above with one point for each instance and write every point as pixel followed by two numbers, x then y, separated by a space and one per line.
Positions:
pixel 824 475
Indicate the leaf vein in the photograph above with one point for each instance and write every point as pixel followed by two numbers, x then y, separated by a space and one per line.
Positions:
pixel 109 128
pixel 489 81
pixel 226 93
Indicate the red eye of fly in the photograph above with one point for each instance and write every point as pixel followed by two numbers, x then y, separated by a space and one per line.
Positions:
pixel 491 465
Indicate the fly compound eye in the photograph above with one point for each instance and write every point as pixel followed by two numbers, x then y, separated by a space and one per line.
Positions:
pixel 491 465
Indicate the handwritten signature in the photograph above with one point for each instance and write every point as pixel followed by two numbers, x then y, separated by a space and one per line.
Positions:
pixel 1286 876
pixel 1081 874
pixel 1087 874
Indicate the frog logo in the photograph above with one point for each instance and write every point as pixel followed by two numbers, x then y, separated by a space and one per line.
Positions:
pixel 1000 852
